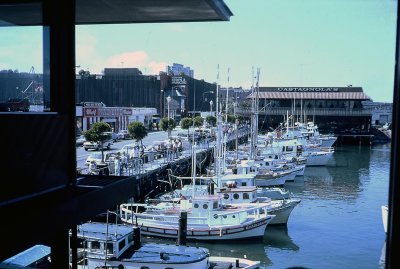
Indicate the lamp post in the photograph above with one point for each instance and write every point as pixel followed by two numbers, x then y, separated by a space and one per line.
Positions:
pixel 211 104
pixel 169 129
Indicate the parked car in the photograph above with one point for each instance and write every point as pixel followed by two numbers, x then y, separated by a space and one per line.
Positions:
pixel 123 134
pixel 80 140
pixel 95 146
pixel 114 136
pixel 96 157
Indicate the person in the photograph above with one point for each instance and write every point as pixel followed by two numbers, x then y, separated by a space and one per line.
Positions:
pixel 180 148
pixel 124 161
pixel 93 168
pixel 175 149
pixel 117 166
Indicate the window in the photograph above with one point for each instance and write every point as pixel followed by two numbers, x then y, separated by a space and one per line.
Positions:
pixel 205 206
pixel 95 245
pixel 236 196
pixel 121 244
pixel 23 87
pixel 246 196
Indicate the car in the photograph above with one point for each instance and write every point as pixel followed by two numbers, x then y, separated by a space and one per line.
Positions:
pixel 114 136
pixel 80 140
pixel 128 148
pixel 96 157
pixel 95 146
pixel 124 134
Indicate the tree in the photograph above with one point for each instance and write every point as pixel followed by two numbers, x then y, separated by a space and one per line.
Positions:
pixel 198 121
pixel 84 74
pixel 137 131
pixel 167 124
pixel 186 123
pixel 212 120
pixel 231 119
pixel 97 134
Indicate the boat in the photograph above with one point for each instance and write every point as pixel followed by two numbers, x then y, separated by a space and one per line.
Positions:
pixel 237 190
pixel 208 218
pixel 118 246
pixel 37 256
pixel 384 210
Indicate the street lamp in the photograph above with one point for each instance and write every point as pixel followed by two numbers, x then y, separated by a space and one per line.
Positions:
pixel 169 129
pixel 211 103
pixel 168 101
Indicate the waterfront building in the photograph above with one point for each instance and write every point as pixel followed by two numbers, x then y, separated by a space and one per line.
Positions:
pixel 333 109
pixel 381 112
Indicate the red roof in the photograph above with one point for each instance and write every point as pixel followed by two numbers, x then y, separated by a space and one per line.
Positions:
pixel 313 95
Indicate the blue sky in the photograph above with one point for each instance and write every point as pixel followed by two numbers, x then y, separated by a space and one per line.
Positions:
pixel 293 42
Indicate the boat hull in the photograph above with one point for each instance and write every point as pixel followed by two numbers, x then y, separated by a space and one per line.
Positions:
pixel 318 159
pixel 99 263
pixel 251 230
pixel 282 213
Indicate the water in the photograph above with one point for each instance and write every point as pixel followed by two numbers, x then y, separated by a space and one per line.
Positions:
pixel 338 223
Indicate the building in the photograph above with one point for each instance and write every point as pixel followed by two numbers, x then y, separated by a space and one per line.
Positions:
pixel 118 117
pixel 179 69
pixel 381 112
pixel 334 109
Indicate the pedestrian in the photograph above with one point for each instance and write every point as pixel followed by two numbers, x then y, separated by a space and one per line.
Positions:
pixel 93 168
pixel 175 149
pixel 117 166
pixel 124 161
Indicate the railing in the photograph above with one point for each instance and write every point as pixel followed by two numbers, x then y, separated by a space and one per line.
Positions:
pixel 311 111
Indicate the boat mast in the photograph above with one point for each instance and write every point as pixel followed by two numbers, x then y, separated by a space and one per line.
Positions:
pixel 254 114
pixel 226 100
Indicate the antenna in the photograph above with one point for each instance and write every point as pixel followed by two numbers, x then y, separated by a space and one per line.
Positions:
pixel 226 99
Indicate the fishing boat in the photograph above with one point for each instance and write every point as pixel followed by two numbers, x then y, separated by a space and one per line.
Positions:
pixel 118 246
pixel 208 218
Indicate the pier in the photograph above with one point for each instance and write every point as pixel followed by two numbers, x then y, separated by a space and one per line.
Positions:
pixel 149 173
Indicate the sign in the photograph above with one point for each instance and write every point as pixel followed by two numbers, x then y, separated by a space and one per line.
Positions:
pixel 308 89
pixel 106 112
pixel 178 81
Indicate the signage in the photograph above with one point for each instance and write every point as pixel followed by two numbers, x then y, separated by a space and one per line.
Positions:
pixel 178 81
pixel 308 89
pixel 106 112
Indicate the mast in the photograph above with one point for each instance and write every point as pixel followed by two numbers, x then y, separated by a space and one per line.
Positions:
pixel 254 114
pixel 226 99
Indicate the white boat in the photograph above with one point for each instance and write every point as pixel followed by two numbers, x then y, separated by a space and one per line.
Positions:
pixel 384 210
pixel 264 176
pixel 240 190
pixel 294 148
pixel 207 219
pixel 118 246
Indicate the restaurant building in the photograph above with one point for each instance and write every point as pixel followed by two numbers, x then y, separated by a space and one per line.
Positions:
pixel 334 109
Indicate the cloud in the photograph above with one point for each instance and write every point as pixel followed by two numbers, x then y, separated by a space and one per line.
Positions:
pixel 138 59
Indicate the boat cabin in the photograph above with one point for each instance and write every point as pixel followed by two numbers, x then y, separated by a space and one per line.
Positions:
pixel 202 205
pixel 100 241
pixel 239 195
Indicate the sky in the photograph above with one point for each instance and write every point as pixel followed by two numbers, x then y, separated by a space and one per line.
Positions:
pixel 299 43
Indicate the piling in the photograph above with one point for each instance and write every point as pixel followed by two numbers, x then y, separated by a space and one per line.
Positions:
pixel 182 228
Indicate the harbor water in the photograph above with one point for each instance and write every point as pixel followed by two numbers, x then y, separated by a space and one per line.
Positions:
pixel 338 223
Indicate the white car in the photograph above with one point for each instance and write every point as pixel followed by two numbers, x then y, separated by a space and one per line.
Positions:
pixel 96 156
pixel 95 146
